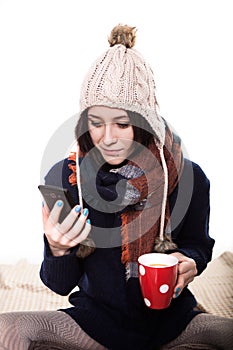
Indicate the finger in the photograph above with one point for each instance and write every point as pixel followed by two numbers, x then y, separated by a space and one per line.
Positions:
pixel 85 232
pixel 188 271
pixel 68 222
pixel 179 286
pixel 45 213
pixel 186 266
pixel 67 241
pixel 76 230
pixel 55 212
pixel 183 280
pixel 177 292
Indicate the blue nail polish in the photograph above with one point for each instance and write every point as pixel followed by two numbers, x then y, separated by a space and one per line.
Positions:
pixel 59 203
pixel 89 221
pixel 42 204
pixel 177 292
pixel 77 209
pixel 85 212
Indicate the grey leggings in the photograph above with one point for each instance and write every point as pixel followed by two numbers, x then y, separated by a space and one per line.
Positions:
pixel 50 330
pixel 55 330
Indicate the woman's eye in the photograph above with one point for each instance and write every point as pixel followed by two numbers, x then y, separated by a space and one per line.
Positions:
pixel 123 125
pixel 96 124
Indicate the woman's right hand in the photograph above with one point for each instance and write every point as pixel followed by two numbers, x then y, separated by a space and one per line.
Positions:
pixel 66 235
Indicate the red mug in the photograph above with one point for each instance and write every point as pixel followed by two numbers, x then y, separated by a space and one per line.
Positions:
pixel 157 276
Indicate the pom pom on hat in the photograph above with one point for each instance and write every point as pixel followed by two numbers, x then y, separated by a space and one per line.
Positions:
pixel 123 34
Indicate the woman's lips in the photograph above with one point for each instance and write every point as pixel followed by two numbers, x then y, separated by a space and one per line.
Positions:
pixel 109 152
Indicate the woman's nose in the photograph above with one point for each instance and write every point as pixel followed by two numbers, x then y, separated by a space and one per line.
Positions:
pixel 109 136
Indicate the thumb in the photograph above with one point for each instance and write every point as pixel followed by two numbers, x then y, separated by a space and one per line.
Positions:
pixel 45 213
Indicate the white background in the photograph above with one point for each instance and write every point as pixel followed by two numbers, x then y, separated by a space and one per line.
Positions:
pixel 46 47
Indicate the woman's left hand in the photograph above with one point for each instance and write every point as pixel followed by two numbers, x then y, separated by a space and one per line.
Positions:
pixel 187 270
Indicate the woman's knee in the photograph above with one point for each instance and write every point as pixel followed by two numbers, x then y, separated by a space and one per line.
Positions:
pixel 10 335
pixel 205 331
pixel 7 325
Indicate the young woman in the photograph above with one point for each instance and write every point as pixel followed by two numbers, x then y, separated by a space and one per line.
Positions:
pixel 135 193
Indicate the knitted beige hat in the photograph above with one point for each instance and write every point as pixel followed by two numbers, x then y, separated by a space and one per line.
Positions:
pixel 121 78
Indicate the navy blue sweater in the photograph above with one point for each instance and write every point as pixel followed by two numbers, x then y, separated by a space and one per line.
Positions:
pixel 109 308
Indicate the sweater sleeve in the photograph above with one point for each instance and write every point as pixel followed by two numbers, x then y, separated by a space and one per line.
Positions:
pixel 190 216
pixel 60 274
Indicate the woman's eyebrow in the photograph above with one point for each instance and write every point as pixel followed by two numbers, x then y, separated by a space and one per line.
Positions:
pixel 93 116
pixel 115 118
pixel 122 117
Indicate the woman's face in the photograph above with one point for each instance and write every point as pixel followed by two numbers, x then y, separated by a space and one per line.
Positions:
pixel 111 132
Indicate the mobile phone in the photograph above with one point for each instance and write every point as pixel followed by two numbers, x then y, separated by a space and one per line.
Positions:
pixel 51 194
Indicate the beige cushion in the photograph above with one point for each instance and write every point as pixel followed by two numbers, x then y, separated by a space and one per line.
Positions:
pixel 214 287
pixel 21 288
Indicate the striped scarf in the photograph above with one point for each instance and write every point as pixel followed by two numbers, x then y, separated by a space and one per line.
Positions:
pixel 139 197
